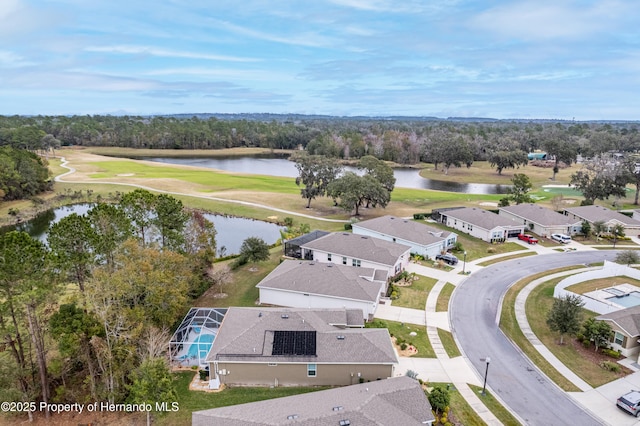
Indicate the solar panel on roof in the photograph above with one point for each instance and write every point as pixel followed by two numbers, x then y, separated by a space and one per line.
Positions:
pixel 294 343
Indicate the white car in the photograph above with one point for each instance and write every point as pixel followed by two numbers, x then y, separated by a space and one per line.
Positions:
pixel 561 238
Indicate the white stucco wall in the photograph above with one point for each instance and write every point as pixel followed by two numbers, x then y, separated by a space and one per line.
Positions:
pixel 398 266
pixel 299 300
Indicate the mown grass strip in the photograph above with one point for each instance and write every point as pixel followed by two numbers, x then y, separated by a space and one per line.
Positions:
pixel 509 325
pixel 442 304
pixel 505 258
pixel 449 343
pixel 415 295
pixel 498 410
pixel 460 408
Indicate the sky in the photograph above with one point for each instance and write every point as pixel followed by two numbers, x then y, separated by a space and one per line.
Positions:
pixel 560 59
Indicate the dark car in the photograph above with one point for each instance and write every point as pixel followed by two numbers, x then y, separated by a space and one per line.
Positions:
pixel 447 258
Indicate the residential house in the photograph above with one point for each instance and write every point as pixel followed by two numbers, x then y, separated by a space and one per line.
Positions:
pixel 626 330
pixel 541 220
pixel 610 218
pixel 345 248
pixel 395 401
pixel 292 246
pixel 302 284
pixel 482 224
pixel 424 240
pixel 298 347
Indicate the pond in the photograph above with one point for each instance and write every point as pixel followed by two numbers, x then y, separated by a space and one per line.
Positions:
pixel 230 231
pixel 405 178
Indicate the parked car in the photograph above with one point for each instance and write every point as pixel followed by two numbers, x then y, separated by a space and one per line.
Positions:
pixel 528 238
pixel 630 402
pixel 447 258
pixel 561 238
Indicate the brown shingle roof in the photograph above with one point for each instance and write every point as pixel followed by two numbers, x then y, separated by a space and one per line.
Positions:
pixel 324 279
pixel 359 247
pixel 405 229
pixel 395 401
pixel 246 335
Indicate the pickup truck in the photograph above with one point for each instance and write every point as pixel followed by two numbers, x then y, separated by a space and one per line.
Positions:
pixel 528 238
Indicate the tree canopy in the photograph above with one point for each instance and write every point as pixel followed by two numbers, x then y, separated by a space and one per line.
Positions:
pixel 565 315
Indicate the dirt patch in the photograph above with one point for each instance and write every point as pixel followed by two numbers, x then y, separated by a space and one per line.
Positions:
pixel 409 351
pixel 596 357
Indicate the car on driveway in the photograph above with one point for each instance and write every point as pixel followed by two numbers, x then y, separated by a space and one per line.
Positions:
pixel 447 258
pixel 630 402
pixel 528 238
pixel 561 238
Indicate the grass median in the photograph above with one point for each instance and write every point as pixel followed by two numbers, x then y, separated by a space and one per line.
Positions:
pixel 498 410
pixel 442 304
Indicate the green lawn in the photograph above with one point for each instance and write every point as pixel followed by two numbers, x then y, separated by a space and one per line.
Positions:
pixel 442 304
pixel 190 401
pixel 449 343
pixel 415 296
pixel 509 325
pixel 241 289
pixel 504 258
pixel 538 305
pixel 459 408
pixel 592 285
pixel 400 330
pixel 498 410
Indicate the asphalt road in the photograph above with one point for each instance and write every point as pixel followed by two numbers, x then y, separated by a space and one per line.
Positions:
pixel 473 312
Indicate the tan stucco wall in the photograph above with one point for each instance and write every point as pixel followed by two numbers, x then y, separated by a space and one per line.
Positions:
pixel 296 374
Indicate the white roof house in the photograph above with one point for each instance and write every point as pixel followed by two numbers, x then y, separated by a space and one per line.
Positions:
pixel 345 248
pixel 398 400
pixel 301 284
pixel 482 223
pixel 610 218
pixel 424 240
pixel 541 220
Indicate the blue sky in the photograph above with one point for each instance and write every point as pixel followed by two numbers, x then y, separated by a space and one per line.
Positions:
pixel 560 59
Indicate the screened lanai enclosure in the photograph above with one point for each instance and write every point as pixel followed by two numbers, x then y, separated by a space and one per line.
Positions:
pixel 193 339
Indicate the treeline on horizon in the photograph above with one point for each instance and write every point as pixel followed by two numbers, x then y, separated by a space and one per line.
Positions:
pixel 401 140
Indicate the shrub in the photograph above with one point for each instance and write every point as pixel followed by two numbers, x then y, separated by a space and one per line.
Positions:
pixel 458 247
pixel 394 295
pixel 403 346
pixel 586 343
pixel 491 250
pixel 418 216
pixel 610 366
pixel 204 374
pixel 580 337
pixel 610 352
pixel 13 211
pixel 347 227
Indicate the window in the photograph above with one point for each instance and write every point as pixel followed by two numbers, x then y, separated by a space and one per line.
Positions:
pixel 328 257
pixel 355 262
pixel 312 370
pixel 618 339
pixel 344 260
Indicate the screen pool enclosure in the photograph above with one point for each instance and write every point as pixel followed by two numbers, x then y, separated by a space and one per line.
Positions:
pixel 192 341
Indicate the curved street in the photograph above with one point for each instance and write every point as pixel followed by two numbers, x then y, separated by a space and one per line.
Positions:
pixel 474 311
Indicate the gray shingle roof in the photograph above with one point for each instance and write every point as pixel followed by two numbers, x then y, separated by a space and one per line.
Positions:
pixel 359 247
pixel 325 279
pixel 628 319
pixel 539 214
pixel 596 213
pixel 405 229
pixel 395 401
pixel 246 329
pixel 481 218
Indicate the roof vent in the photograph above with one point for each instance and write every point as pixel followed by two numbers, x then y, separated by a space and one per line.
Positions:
pixel 292 417
pixel 284 316
pixel 340 337
pixel 345 422
pixel 338 408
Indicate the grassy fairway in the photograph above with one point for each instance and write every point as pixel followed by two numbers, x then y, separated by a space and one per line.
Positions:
pixel 191 401
pixel 183 153
pixel 415 296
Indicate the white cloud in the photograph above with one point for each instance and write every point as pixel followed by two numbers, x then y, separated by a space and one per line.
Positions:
pixel 543 20
pixel 305 39
pixel 154 51
pixel 11 60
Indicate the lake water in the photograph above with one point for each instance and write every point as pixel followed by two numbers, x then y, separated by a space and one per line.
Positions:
pixel 405 178
pixel 230 231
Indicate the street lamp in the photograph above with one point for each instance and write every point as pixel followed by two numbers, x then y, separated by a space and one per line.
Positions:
pixel 464 263
pixel 484 387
